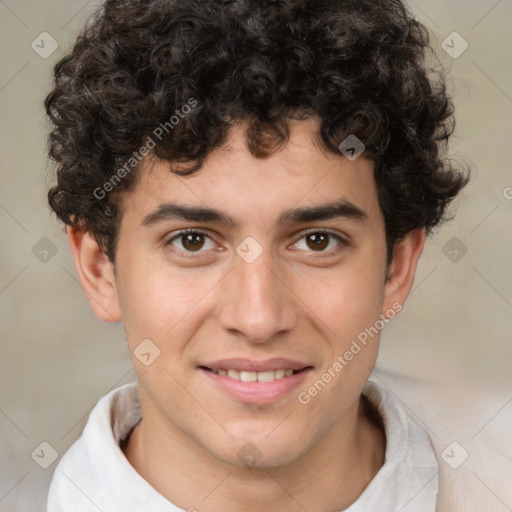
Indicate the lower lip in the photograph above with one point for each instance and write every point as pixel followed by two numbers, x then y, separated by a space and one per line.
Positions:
pixel 257 392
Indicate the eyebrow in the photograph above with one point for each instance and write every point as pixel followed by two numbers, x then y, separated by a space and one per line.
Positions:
pixel 335 209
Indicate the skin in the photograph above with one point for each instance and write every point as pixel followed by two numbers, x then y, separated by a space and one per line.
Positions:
pixel 294 301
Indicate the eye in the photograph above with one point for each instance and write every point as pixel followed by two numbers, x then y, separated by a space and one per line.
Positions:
pixel 320 240
pixel 190 240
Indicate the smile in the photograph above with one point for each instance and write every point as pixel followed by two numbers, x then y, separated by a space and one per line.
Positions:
pixel 267 376
pixel 252 382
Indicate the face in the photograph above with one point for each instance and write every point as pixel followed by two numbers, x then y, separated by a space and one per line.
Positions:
pixel 232 308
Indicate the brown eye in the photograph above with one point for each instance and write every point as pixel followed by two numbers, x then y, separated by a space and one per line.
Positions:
pixel 317 241
pixel 192 241
pixel 320 241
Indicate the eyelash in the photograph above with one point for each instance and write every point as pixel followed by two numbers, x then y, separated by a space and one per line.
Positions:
pixel 188 254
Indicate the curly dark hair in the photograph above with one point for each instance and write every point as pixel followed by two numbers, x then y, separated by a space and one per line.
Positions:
pixel 357 65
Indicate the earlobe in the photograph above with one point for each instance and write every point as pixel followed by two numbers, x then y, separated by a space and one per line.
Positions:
pixel 406 254
pixel 96 274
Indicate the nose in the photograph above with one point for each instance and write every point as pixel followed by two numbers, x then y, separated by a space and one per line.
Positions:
pixel 256 301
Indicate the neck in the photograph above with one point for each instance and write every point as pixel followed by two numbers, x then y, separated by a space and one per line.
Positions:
pixel 329 476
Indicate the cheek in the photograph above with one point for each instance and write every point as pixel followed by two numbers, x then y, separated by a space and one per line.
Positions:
pixel 160 302
pixel 347 298
pixel 352 311
pixel 363 300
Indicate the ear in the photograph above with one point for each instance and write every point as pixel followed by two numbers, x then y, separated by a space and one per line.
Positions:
pixel 96 274
pixel 406 254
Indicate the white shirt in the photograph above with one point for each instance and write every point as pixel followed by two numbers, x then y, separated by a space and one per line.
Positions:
pixel 94 473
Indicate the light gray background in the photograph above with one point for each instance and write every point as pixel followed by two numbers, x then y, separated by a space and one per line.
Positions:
pixel 453 339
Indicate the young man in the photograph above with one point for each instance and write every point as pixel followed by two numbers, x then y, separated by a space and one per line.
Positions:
pixel 247 188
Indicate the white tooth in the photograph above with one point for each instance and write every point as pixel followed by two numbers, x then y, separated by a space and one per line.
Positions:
pixel 287 373
pixel 234 374
pixel 222 372
pixel 248 376
pixel 279 374
pixel 266 376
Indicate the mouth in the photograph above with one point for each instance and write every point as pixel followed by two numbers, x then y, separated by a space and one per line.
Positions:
pixel 254 382
pixel 249 376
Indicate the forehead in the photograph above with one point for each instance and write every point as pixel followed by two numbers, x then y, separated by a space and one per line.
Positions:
pixel 300 174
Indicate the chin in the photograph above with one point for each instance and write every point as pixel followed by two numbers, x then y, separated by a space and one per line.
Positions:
pixel 260 451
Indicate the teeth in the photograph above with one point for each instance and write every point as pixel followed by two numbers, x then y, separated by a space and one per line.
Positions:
pixel 280 374
pixel 248 376
pixel 234 374
pixel 267 376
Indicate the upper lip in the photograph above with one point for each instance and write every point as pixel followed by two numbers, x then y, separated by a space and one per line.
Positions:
pixel 250 365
